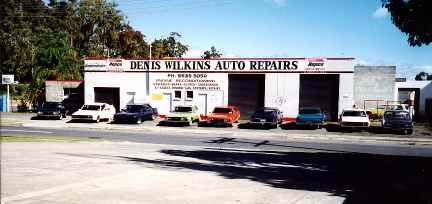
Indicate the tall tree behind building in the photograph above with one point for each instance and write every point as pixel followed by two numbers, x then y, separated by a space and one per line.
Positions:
pixel 212 53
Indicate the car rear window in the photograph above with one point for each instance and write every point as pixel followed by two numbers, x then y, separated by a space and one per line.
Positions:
pixel 221 110
pixel 401 115
pixel 183 109
pixel 354 113
pixel 133 108
pixel 91 107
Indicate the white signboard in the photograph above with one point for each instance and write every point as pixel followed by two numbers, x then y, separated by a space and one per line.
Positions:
pixel 231 65
pixel 7 79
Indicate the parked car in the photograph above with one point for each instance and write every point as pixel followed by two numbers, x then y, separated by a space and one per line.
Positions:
pixel 354 118
pixel 311 117
pixel 135 113
pixel 222 116
pixel 95 112
pixel 51 110
pixel 182 115
pixel 398 120
pixel 266 117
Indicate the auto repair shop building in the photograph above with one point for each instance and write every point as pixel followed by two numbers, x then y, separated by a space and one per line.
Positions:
pixel 248 83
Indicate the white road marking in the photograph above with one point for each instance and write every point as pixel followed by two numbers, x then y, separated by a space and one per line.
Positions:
pixel 28 131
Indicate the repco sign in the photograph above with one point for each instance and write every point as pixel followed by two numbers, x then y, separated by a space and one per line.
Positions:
pixel 315 65
pixel 115 65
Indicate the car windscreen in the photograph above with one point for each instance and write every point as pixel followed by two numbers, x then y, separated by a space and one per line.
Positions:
pixel 51 105
pixel 266 112
pixel 354 113
pixel 221 110
pixel 90 107
pixel 183 109
pixel 133 108
pixel 397 115
pixel 310 111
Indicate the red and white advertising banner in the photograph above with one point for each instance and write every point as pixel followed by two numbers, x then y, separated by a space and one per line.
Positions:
pixel 264 65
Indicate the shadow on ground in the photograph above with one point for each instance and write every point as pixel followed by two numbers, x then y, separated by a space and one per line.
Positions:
pixel 360 178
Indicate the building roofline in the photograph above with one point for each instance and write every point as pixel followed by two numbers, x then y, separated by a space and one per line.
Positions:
pixel 232 58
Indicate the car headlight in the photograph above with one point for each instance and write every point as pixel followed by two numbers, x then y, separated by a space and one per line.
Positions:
pixel 39 112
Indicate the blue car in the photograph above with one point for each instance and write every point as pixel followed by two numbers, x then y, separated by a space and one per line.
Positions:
pixel 311 117
pixel 135 113
pixel 399 121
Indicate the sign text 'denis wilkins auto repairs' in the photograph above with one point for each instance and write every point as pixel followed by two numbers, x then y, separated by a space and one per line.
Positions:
pixel 202 65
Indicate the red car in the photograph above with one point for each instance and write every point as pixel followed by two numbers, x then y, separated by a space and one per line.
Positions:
pixel 221 116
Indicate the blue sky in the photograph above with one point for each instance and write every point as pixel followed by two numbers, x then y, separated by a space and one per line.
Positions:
pixel 282 28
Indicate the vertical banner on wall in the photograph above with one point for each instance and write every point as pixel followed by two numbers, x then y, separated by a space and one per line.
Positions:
pixel 7 79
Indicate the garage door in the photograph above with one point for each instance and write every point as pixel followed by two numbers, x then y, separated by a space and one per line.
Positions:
pixel 320 90
pixel 246 91
pixel 108 95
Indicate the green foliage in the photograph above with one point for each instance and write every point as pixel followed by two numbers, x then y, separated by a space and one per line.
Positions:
pixel 423 76
pixel 212 53
pixel 132 44
pixel 40 42
pixel 169 47
pixel 412 18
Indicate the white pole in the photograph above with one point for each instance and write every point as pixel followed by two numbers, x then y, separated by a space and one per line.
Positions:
pixel 150 54
pixel 8 100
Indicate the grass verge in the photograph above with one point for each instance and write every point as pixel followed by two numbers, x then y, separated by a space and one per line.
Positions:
pixel 37 138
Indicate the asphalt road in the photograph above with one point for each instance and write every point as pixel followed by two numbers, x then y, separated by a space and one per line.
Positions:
pixel 229 141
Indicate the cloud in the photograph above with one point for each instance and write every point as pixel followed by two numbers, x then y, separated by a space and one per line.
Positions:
pixel 380 13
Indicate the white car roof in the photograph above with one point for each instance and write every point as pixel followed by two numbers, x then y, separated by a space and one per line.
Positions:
pixel 353 109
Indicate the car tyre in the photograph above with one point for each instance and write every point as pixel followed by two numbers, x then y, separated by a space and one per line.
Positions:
pixel 407 132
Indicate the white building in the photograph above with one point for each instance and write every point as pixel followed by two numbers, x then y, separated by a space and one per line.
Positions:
pixel 420 95
pixel 249 83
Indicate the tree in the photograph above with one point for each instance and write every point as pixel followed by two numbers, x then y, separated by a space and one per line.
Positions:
pixel 100 24
pixel 422 76
pixel 132 44
pixel 168 47
pixel 413 18
pixel 212 53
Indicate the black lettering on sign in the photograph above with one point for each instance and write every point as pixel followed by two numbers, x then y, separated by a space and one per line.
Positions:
pixel 133 64
pixel 253 65
pixel 294 65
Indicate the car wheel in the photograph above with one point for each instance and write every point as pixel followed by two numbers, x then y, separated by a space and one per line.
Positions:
pixel 188 123
pixel 139 121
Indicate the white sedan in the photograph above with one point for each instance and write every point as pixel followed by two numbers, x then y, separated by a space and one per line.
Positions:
pixel 354 118
pixel 95 112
